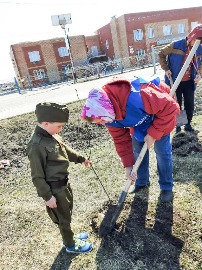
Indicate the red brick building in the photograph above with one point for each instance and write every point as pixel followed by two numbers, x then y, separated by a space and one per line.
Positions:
pixel 126 37
pixel 46 59
pixel 133 34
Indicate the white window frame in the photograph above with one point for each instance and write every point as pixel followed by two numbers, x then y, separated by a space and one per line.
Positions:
pixel 107 44
pixel 193 24
pixel 94 50
pixel 181 28
pixel 167 30
pixel 150 32
pixel 140 54
pixel 138 34
pixel 39 74
pixel 34 56
pixel 63 52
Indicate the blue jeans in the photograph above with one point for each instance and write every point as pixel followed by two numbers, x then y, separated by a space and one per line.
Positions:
pixel 163 150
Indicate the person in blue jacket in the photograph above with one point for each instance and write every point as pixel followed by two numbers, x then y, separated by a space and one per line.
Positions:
pixel 172 58
pixel 137 111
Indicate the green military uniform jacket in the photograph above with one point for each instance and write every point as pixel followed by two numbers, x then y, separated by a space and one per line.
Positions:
pixel 49 161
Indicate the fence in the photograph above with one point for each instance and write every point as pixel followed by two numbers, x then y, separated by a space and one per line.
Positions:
pixel 82 73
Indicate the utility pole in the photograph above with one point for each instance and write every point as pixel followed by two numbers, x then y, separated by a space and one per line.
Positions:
pixel 62 20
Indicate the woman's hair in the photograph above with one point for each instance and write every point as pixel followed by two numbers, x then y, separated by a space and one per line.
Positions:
pixel 88 119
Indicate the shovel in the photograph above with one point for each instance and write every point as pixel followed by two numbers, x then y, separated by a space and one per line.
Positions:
pixel 114 211
pixel 182 117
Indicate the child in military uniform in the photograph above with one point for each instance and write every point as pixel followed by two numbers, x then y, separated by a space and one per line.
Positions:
pixel 49 159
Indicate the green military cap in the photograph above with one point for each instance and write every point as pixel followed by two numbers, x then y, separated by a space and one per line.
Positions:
pixel 51 112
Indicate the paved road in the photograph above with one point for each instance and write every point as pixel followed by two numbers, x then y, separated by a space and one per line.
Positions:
pixel 17 104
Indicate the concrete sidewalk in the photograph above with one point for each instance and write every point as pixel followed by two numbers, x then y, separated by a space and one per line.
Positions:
pixel 17 104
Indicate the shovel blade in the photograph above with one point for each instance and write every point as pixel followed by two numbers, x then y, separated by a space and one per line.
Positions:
pixel 109 220
pixel 182 118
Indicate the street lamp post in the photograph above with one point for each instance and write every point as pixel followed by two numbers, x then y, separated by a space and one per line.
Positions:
pixel 62 20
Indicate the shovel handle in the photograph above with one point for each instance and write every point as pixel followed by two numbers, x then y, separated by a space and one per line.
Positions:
pixel 171 85
pixel 136 166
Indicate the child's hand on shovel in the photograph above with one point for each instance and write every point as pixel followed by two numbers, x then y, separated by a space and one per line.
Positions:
pixel 130 174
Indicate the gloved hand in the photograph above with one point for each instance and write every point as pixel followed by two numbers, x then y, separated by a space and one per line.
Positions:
pixel 131 176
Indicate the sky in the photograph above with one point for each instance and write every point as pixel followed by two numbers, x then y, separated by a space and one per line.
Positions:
pixel 30 20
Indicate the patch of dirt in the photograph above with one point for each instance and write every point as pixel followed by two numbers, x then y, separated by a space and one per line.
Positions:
pixel 184 143
pixel 141 240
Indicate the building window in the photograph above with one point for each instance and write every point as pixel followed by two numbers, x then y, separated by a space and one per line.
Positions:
pixel 150 32
pixel 63 51
pixel 138 34
pixel 39 74
pixel 140 54
pixel 107 45
pixel 181 28
pixel 167 30
pixel 34 56
pixel 193 24
pixel 94 51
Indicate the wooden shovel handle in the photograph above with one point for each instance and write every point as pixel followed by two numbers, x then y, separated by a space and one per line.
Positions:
pixel 136 166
